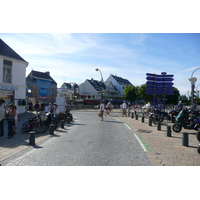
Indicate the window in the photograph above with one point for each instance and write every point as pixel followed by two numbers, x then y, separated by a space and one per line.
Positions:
pixel 7 71
pixel 51 91
pixel 43 92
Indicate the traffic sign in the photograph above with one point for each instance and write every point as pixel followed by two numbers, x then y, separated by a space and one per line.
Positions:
pixel 164 79
pixel 149 74
pixel 149 78
pixel 166 76
pixel 165 84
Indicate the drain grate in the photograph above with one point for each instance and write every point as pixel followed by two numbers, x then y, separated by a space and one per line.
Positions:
pixel 143 131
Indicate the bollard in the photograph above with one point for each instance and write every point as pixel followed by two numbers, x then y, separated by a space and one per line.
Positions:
pixel 158 125
pixel 51 129
pixel 142 119
pixel 135 113
pixel 185 139
pixel 132 115
pixel 71 117
pixel 150 121
pixel 32 137
pixel 136 117
pixel 168 133
pixel 62 124
pixel 68 120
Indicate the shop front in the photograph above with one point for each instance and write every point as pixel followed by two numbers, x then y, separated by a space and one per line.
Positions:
pixel 7 94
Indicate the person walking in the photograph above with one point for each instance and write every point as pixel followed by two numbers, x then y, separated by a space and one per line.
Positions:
pixel 2 115
pixel 17 118
pixel 11 112
pixel 124 107
pixel 102 107
pixel 108 107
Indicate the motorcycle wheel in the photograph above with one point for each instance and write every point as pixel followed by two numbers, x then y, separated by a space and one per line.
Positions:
pixel 43 128
pixel 198 135
pixel 24 128
pixel 63 117
pixel 155 121
pixel 198 149
pixel 176 128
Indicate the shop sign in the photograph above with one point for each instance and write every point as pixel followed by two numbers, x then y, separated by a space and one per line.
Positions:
pixel 3 87
pixel 43 97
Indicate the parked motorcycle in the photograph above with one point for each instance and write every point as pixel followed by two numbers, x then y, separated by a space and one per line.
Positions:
pixel 184 120
pixel 34 124
pixel 160 116
pixel 173 114
pixel 48 118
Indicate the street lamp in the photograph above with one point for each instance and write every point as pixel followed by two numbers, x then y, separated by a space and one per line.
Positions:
pixel 100 73
pixel 193 81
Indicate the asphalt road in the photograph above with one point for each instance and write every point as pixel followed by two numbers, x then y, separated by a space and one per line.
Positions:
pixel 88 142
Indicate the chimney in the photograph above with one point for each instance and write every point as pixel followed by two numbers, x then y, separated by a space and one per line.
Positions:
pixel 48 73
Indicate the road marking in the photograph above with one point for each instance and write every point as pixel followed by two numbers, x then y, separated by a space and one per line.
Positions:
pixel 142 142
pixel 117 119
pixel 128 126
pixel 139 139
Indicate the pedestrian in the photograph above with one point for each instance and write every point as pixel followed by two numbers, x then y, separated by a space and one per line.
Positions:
pixel 102 107
pixel 180 105
pixel 17 118
pixel 30 105
pixel 2 115
pixel 11 112
pixel 37 105
pixel 108 107
pixel 124 107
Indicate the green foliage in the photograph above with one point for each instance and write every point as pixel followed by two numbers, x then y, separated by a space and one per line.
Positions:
pixel 133 93
pixel 130 93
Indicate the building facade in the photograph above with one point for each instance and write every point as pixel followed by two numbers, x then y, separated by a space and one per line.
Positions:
pixel 12 77
pixel 41 87
pixel 92 91
pixel 119 83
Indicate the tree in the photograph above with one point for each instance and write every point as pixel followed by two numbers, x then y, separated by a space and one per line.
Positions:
pixel 130 93
pixel 173 99
pixel 141 93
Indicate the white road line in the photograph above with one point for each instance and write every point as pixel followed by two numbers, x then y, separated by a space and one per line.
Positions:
pixel 140 142
pixel 127 126
pixel 138 139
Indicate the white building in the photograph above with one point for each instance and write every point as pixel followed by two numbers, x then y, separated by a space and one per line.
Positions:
pixel 12 77
pixel 92 89
pixel 119 83
pixel 96 90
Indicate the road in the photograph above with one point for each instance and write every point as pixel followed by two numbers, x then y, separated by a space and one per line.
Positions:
pixel 88 142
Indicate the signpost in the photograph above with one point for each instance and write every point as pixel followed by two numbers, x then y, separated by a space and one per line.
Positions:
pixel 159 85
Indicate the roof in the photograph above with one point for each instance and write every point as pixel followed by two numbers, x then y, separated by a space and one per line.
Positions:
pixel 98 85
pixel 70 85
pixel 5 50
pixel 41 75
pixel 121 81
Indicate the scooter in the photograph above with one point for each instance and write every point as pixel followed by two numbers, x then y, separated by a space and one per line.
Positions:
pixel 182 122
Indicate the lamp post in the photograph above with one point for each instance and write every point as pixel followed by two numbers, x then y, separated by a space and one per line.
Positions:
pixel 101 82
pixel 193 81
pixel 100 73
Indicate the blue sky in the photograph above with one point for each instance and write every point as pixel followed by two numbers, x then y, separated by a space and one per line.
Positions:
pixel 74 57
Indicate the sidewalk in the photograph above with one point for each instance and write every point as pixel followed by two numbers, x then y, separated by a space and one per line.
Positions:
pixel 163 150
pixel 20 141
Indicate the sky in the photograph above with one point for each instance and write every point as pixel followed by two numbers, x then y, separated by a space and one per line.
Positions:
pixel 73 57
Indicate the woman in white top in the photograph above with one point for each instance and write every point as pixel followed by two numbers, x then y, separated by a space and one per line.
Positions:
pixel 102 107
